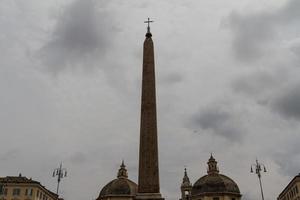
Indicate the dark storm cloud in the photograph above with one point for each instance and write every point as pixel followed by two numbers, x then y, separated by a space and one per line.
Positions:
pixel 82 33
pixel 288 102
pixel 217 120
pixel 253 32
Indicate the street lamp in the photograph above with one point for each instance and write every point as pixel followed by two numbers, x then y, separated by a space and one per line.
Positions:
pixel 60 173
pixel 258 168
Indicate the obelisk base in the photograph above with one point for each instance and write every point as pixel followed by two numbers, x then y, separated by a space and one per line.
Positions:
pixel 148 196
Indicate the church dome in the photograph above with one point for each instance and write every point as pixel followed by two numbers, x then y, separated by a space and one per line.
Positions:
pixel 217 183
pixel 214 182
pixel 121 186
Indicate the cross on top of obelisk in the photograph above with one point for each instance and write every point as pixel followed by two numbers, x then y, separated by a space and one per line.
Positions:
pixel 148 34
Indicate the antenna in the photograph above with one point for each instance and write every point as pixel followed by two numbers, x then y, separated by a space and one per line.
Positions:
pixel 60 173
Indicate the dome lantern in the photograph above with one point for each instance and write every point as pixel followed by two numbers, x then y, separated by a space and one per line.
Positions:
pixel 122 171
pixel 212 165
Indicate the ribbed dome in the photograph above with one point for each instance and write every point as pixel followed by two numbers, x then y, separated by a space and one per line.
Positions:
pixel 121 186
pixel 215 183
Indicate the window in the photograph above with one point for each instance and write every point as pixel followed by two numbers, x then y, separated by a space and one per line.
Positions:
pixel 37 193
pixel 216 198
pixel 233 199
pixel 297 189
pixel 28 192
pixel 16 191
pixel 3 191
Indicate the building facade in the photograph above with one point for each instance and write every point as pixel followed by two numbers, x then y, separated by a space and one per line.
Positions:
pixel 292 190
pixel 23 188
pixel 213 186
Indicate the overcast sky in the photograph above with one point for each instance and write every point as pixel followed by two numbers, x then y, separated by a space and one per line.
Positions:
pixel 228 82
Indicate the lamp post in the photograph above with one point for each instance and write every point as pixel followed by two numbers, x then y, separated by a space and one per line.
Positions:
pixel 60 173
pixel 258 168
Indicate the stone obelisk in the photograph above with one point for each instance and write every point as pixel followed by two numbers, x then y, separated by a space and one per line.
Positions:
pixel 148 183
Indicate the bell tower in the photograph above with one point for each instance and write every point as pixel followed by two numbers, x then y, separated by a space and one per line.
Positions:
pixel 186 187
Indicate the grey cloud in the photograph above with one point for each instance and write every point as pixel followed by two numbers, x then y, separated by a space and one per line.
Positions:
pixel 81 34
pixel 253 32
pixel 249 196
pixel 219 120
pixel 288 102
pixel 262 84
pixel 290 12
pixel 10 154
pixel 274 90
pixel 289 164
pixel 172 78
pixel 78 158
pixel 296 49
pixel 294 46
pixel 288 158
pixel 250 35
pixel 254 84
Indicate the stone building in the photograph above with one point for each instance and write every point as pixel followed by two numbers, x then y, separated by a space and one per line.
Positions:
pixel 213 186
pixel 120 188
pixel 23 188
pixel 292 190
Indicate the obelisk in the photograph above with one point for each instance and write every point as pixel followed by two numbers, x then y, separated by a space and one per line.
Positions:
pixel 148 181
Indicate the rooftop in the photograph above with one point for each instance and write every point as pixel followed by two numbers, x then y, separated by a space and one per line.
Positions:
pixel 23 180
